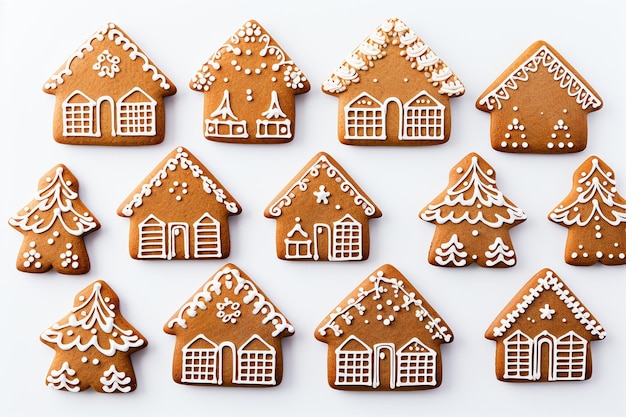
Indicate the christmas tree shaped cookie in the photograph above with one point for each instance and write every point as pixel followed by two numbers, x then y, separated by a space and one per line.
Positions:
pixel 93 344
pixel 544 333
pixel 53 225
pixel 393 89
pixel 595 215
pixel 109 92
pixel 384 336
pixel 539 104
pixel 473 218
pixel 228 334
pixel 249 86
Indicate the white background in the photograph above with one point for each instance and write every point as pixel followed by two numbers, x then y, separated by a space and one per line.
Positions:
pixel 476 39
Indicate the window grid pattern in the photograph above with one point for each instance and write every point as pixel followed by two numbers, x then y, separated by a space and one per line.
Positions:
pixel 152 239
pixel 136 119
pixel 416 368
pixel 200 366
pixel 207 240
pixel 273 129
pixel 256 367
pixel 423 122
pixel 347 240
pixel 570 357
pixel 298 249
pixel 354 368
pixel 518 356
pixel 365 123
pixel 78 119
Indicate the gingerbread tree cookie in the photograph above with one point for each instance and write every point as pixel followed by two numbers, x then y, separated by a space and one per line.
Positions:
pixel 595 215
pixel 53 225
pixel 539 104
pixel 249 86
pixel 473 218
pixel 109 92
pixel 384 336
pixel 544 333
pixel 393 89
pixel 93 344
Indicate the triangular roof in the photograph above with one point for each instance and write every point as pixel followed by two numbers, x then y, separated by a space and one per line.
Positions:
pixel 544 280
pixel 472 185
pixel 179 158
pixel 109 33
pixel 521 70
pixel 322 164
pixel 418 55
pixel 57 200
pixel 386 279
pixel 593 194
pixel 95 321
pixel 231 276
pixel 249 39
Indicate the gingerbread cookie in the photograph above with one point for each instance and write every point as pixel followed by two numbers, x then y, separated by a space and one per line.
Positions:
pixel 249 86
pixel 393 90
pixel 543 334
pixel 179 211
pixel 93 344
pixel 384 336
pixel 228 333
pixel 473 218
pixel 322 215
pixel 109 92
pixel 54 224
pixel 539 104
pixel 595 215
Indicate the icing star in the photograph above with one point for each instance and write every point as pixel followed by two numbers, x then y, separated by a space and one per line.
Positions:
pixel 546 312
pixel 322 195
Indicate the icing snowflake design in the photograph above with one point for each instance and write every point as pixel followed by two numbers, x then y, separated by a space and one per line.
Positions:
pixel 233 306
pixel 322 195
pixel 546 312
pixel 107 65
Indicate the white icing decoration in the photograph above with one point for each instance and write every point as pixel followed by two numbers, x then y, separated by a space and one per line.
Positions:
pixel 322 195
pixel 418 55
pixel 451 251
pixel 63 379
pixel 107 64
pixel 92 314
pixel 546 312
pixel 114 380
pixel 561 73
pixel 500 252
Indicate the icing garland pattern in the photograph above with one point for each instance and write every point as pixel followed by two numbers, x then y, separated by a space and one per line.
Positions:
pixel 420 55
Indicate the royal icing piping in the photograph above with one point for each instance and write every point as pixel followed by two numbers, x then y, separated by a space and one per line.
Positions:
pixel 180 160
pixel 394 32
pixel 322 164
pixel 379 281
pixel 229 276
pixel 114 34
pixel 561 73
pixel 552 283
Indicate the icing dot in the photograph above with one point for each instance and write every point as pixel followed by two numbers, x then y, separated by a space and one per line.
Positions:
pixel 514 144
pixel 597 227
pixel 386 322
pixel 524 144
pixel 70 332
pixel 570 144
pixel 338 207
pixel 561 145
pixel 96 361
pixel 553 136
pixel 94 331
pixel 621 256
pixel 550 145
pixel 55 234
pixel 585 255
pixel 379 317
pixel 459 170
pixel 515 108
pixel 32 244
pixel 611 256
pixel 564 320
pixel 69 246
pixel 490 172
pixel 379 307
pixel 503 144
pixel 564 110
pixel 507 135
pixel 474 257
pixel 598 235
pixel 580 246
pixel 616 244
pixel 574 255
pixel 50 241
pixel 474 232
pixel 84 359
pixel 599 254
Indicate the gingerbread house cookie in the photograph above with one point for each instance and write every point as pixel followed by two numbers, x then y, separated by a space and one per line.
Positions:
pixel 179 211
pixel 322 215
pixel 54 224
pixel 393 89
pixel 544 333
pixel 249 86
pixel 473 218
pixel 93 344
pixel 595 216
pixel 539 104
pixel 228 334
pixel 109 92
pixel 384 336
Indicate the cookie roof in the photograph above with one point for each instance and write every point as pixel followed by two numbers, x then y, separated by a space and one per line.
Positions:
pixel 419 57
pixel 321 164
pixel 539 54
pixel 544 280
pixel 109 33
pixel 369 295
pixel 57 201
pixel 593 194
pixel 183 159
pixel 472 196
pixel 95 321
pixel 249 39
pixel 231 276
